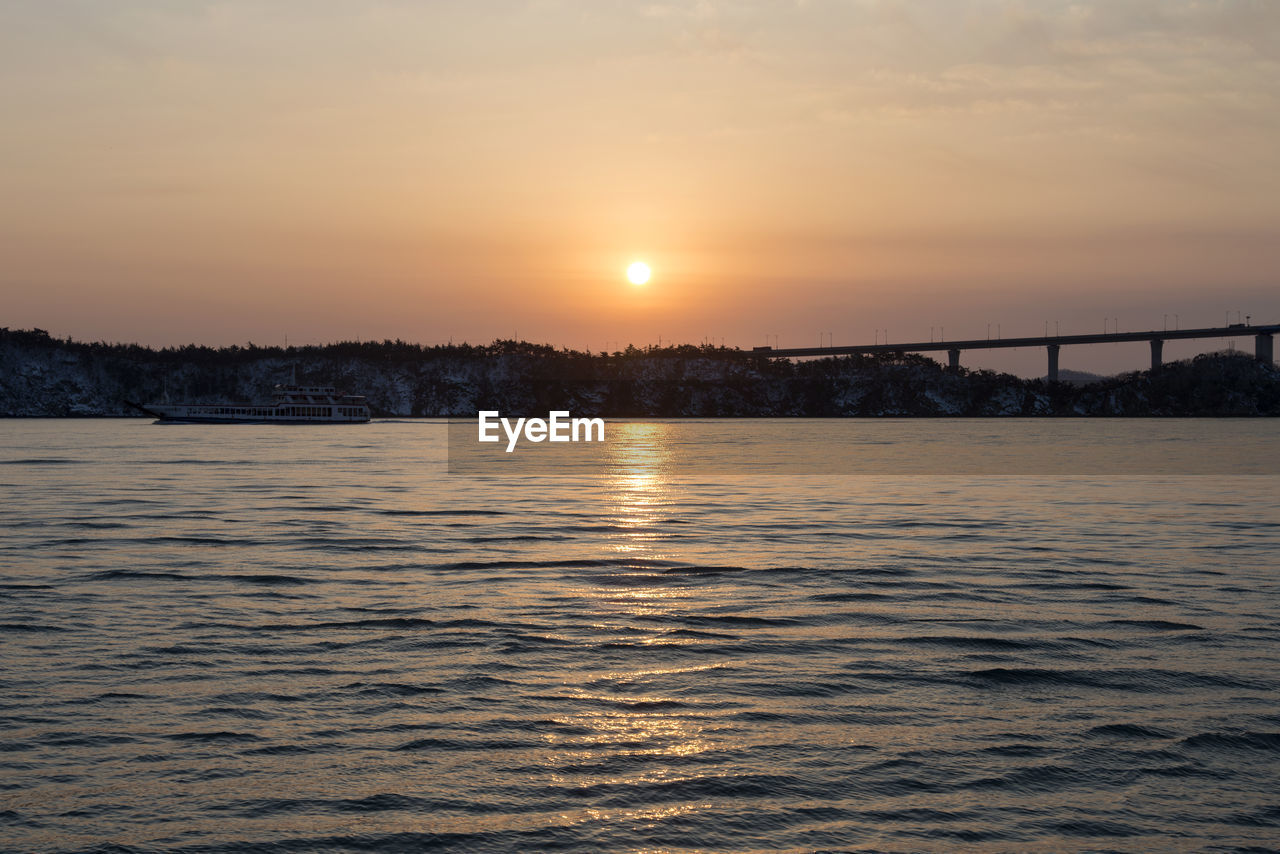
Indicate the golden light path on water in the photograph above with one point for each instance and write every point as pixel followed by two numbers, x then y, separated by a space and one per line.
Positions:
pixel 639 461
pixel 640 494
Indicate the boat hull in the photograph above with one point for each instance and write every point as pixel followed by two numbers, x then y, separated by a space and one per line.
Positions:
pixel 163 419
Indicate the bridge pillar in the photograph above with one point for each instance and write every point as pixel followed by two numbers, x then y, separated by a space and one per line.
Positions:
pixel 1262 348
pixel 1053 362
pixel 954 359
pixel 1157 350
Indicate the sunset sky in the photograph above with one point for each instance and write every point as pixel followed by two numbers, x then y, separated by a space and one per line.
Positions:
pixel 225 172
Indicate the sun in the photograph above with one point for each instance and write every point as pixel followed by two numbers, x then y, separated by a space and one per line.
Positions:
pixel 638 273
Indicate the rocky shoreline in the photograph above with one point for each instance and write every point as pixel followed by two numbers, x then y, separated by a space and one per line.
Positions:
pixel 41 376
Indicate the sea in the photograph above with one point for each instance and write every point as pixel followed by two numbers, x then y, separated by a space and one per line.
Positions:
pixel 224 638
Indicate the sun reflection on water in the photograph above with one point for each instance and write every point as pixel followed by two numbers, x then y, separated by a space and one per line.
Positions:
pixel 631 729
pixel 638 483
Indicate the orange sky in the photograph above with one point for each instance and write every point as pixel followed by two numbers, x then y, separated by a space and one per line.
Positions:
pixel 225 172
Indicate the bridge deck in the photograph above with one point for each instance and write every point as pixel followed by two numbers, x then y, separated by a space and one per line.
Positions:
pixel 1039 341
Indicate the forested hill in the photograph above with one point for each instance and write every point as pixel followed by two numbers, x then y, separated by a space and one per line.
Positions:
pixel 44 376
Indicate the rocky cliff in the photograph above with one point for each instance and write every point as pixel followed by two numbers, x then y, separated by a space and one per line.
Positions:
pixel 44 376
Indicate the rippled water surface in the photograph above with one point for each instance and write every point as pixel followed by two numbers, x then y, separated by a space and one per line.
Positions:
pixel 215 638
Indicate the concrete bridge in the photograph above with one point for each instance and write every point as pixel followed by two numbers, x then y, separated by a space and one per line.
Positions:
pixel 1262 338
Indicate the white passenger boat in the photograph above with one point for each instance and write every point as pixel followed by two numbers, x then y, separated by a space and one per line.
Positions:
pixel 291 404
